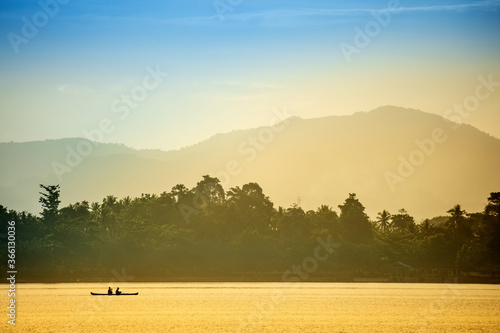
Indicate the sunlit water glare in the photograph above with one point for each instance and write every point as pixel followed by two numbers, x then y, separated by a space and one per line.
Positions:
pixel 256 307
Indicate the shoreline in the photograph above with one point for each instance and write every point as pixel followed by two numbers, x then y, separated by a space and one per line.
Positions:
pixel 263 279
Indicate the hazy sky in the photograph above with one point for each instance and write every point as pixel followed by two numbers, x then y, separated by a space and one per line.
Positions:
pixel 67 69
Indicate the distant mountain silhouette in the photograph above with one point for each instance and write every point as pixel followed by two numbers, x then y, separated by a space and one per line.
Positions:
pixel 391 157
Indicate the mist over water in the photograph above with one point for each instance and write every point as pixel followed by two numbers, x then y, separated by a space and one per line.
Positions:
pixel 257 307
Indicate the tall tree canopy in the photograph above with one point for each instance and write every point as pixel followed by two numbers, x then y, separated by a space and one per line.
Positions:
pixel 50 203
pixel 238 232
pixel 355 223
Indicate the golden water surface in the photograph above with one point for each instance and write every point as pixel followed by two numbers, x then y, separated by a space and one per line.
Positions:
pixel 255 307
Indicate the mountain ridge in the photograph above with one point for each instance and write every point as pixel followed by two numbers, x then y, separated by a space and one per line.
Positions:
pixel 314 161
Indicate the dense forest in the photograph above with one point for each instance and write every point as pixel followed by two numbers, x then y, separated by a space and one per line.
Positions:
pixel 208 232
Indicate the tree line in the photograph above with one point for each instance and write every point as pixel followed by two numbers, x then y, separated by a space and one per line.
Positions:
pixel 208 231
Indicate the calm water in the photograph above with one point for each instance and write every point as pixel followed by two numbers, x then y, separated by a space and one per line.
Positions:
pixel 256 307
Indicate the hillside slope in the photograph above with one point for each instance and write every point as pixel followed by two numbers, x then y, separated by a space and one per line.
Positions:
pixel 391 157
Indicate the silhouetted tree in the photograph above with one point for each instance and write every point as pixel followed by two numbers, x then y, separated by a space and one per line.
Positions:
pixel 491 228
pixel 384 219
pixel 403 222
pixel 355 223
pixel 109 212
pixel 493 206
pixel 50 204
pixel 179 192
pixel 237 232
pixel 456 224
pixel 325 222
pixel 251 208
pixel 426 228
pixel 211 189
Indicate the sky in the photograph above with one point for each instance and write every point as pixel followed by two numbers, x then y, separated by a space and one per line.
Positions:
pixel 169 74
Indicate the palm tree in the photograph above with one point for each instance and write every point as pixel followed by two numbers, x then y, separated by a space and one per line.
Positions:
pixel 324 209
pixel 126 201
pixel 96 210
pixel 235 194
pixel 383 219
pixel 108 213
pixel 109 201
pixel 456 222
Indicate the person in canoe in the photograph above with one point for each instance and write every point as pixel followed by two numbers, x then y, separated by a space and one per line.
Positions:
pixel 110 291
pixel 118 292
